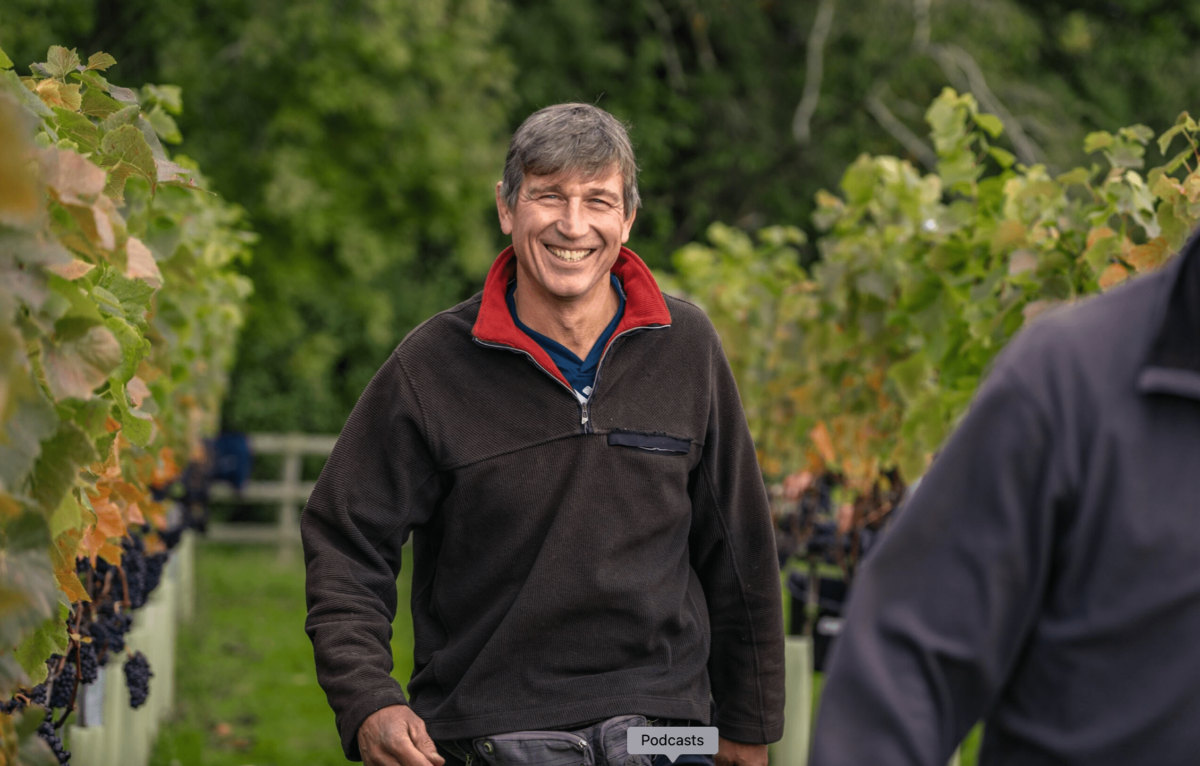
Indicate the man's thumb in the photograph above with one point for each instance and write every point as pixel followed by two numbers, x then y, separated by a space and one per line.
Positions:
pixel 423 742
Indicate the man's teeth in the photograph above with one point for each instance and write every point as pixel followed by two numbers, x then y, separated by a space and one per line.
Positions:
pixel 568 255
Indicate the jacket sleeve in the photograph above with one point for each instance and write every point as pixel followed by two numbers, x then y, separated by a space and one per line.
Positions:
pixel 940 611
pixel 378 483
pixel 732 549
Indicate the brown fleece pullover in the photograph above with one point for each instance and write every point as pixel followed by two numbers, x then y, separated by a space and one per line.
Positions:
pixel 571 561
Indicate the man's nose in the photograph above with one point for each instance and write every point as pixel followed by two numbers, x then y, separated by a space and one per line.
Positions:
pixel 571 223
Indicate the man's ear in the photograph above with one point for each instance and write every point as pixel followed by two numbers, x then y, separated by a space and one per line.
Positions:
pixel 506 216
pixel 628 227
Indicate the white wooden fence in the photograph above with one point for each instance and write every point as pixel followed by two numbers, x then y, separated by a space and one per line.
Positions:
pixel 109 732
pixel 289 492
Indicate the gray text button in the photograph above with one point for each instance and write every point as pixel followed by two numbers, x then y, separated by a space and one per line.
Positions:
pixel 671 741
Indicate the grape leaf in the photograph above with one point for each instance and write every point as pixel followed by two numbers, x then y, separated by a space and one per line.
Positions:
pixel 170 96
pixel 58 465
pixel 78 128
pixel 49 637
pixel 990 123
pixel 71 177
pixel 1094 142
pixel 5 61
pixel 31 423
pixel 134 348
pixel 55 93
pixel 125 153
pixel 137 426
pixel 77 366
pixel 141 263
pixel 164 125
pixel 96 103
pixel 63 555
pixel 61 62
pixel 126 115
pixel 100 61
pixel 134 294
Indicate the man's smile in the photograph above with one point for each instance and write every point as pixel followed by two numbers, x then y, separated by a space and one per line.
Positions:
pixel 570 256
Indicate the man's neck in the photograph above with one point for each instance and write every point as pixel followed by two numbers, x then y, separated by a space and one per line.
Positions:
pixel 576 324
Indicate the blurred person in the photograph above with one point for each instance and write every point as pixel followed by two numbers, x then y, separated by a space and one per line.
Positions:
pixel 591 534
pixel 1044 577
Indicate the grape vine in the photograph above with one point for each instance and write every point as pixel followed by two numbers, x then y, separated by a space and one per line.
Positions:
pixel 119 295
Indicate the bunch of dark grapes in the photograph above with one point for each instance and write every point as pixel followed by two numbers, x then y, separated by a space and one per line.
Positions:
pixel 137 678
pixel 108 631
pixel 63 689
pixel 46 731
pixel 133 561
pixel 89 668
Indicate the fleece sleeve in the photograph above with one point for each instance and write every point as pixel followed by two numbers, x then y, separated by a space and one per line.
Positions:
pixel 732 549
pixel 939 612
pixel 378 484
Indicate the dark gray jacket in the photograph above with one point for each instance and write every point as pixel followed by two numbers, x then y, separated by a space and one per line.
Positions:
pixel 1045 576
pixel 571 561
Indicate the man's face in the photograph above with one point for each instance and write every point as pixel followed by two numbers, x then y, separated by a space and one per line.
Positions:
pixel 567 230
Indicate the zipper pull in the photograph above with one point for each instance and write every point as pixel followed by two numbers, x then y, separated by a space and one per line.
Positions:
pixel 583 421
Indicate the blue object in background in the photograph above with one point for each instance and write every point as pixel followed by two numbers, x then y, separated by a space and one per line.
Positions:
pixel 231 458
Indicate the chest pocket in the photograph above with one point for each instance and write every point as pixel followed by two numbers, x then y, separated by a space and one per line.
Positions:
pixel 658 443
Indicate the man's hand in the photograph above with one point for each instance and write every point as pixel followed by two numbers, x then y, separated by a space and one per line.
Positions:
pixel 730 753
pixel 395 736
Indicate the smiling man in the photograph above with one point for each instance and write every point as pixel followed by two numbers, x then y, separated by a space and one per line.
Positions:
pixel 591 539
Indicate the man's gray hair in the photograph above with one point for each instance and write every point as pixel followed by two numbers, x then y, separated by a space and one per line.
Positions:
pixel 570 137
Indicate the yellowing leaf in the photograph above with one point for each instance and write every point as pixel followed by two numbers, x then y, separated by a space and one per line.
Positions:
pixel 1150 255
pixel 141 263
pixel 137 390
pixel 100 61
pixel 1112 276
pixel 20 198
pixel 824 444
pixel 64 552
pixel 73 270
pixel 76 367
pixel 70 176
pixel 65 96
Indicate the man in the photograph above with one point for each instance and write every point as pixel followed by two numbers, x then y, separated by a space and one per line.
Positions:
pixel 1045 575
pixel 591 536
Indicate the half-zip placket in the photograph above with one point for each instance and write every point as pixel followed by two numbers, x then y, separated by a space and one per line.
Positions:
pixel 585 418
pixel 579 399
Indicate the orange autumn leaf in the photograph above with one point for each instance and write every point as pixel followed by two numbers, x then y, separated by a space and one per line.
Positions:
pixel 110 553
pixel 108 517
pixel 165 470
pixel 1112 276
pixel 1150 255
pixel 823 442
pixel 133 514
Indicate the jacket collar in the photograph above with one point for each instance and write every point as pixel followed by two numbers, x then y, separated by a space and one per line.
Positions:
pixel 1173 362
pixel 644 307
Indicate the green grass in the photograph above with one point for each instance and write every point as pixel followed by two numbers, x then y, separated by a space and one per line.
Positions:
pixel 247 690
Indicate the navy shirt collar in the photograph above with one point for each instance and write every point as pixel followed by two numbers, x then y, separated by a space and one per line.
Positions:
pixel 581 373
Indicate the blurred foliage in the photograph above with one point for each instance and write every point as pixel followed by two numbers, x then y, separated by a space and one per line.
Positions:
pixel 923 279
pixel 363 136
pixel 712 87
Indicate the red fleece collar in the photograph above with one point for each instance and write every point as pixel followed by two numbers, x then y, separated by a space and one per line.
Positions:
pixel 644 306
